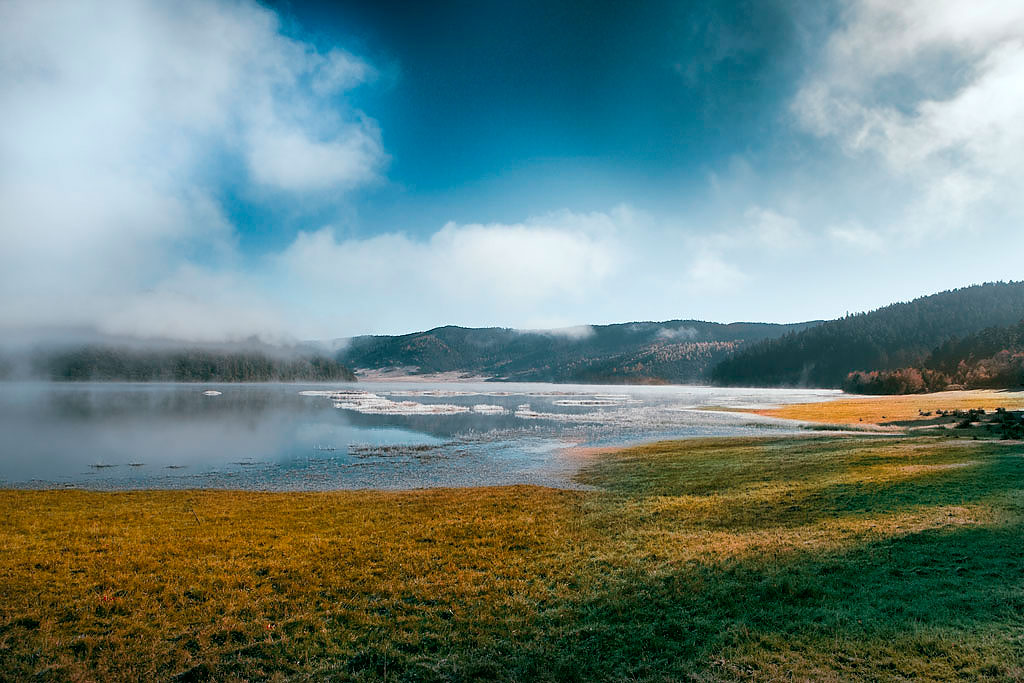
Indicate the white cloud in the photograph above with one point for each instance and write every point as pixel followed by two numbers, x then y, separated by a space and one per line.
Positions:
pixel 855 235
pixel 117 119
pixel 769 228
pixel 930 89
pixel 573 332
pixel 290 160
pixel 340 71
pixel 120 118
pixel 540 275
pixel 677 333
pixel 522 269
pixel 710 273
pixel 759 228
pixel 524 261
pixel 198 305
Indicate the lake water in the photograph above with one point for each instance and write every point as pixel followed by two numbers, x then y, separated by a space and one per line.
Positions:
pixel 370 435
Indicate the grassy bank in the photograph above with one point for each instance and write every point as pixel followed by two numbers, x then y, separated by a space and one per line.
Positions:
pixel 813 558
pixel 902 408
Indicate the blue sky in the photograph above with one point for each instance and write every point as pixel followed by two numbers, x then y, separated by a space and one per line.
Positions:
pixel 213 169
pixel 520 109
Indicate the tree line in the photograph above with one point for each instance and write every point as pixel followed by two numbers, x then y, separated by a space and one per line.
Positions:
pixel 888 341
pixel 101 363
pixel 990 359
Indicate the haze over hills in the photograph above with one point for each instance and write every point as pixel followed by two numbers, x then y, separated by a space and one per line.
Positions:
pixel 83 356
pixel 898 336
pixel 676 351
pixel 965 337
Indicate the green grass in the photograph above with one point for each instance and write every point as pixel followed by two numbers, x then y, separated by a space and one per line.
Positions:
pixel 811 558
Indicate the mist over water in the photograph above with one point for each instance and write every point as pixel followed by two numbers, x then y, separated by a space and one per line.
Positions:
pixel 373 435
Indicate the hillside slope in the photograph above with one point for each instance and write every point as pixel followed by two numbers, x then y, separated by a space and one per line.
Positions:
pixel 896 336
pixel 672 351
pixel 990 359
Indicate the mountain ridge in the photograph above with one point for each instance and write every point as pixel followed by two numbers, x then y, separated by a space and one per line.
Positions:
pixel 668 351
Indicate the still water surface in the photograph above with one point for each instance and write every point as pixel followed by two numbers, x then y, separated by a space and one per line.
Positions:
pixel 372 435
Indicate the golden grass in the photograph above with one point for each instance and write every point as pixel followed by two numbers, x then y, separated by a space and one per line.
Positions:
pixel 880 409
pixel 810 558
pixel 143 584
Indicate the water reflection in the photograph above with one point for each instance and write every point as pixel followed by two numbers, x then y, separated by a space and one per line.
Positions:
pixel 272 437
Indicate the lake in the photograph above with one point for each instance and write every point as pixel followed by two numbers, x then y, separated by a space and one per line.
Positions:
pixel 346 436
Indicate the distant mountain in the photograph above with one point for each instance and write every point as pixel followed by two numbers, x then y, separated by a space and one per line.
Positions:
pixel 647 352
pixel 902 335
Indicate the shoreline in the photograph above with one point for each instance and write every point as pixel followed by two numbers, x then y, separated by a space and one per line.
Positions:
pixel 851 416
pixel 577 459
pixel 882 410
pixel 881 556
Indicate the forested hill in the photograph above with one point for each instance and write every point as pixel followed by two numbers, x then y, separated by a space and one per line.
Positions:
pixel 990 359
pixel 897 336
pixel 957 354
pixel 107 363
pixel 673 351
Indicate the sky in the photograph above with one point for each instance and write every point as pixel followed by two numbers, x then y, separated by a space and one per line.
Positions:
pixel 211 170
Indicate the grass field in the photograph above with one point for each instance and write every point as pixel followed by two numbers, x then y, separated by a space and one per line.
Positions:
pixel 882 409
pixel 817 558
